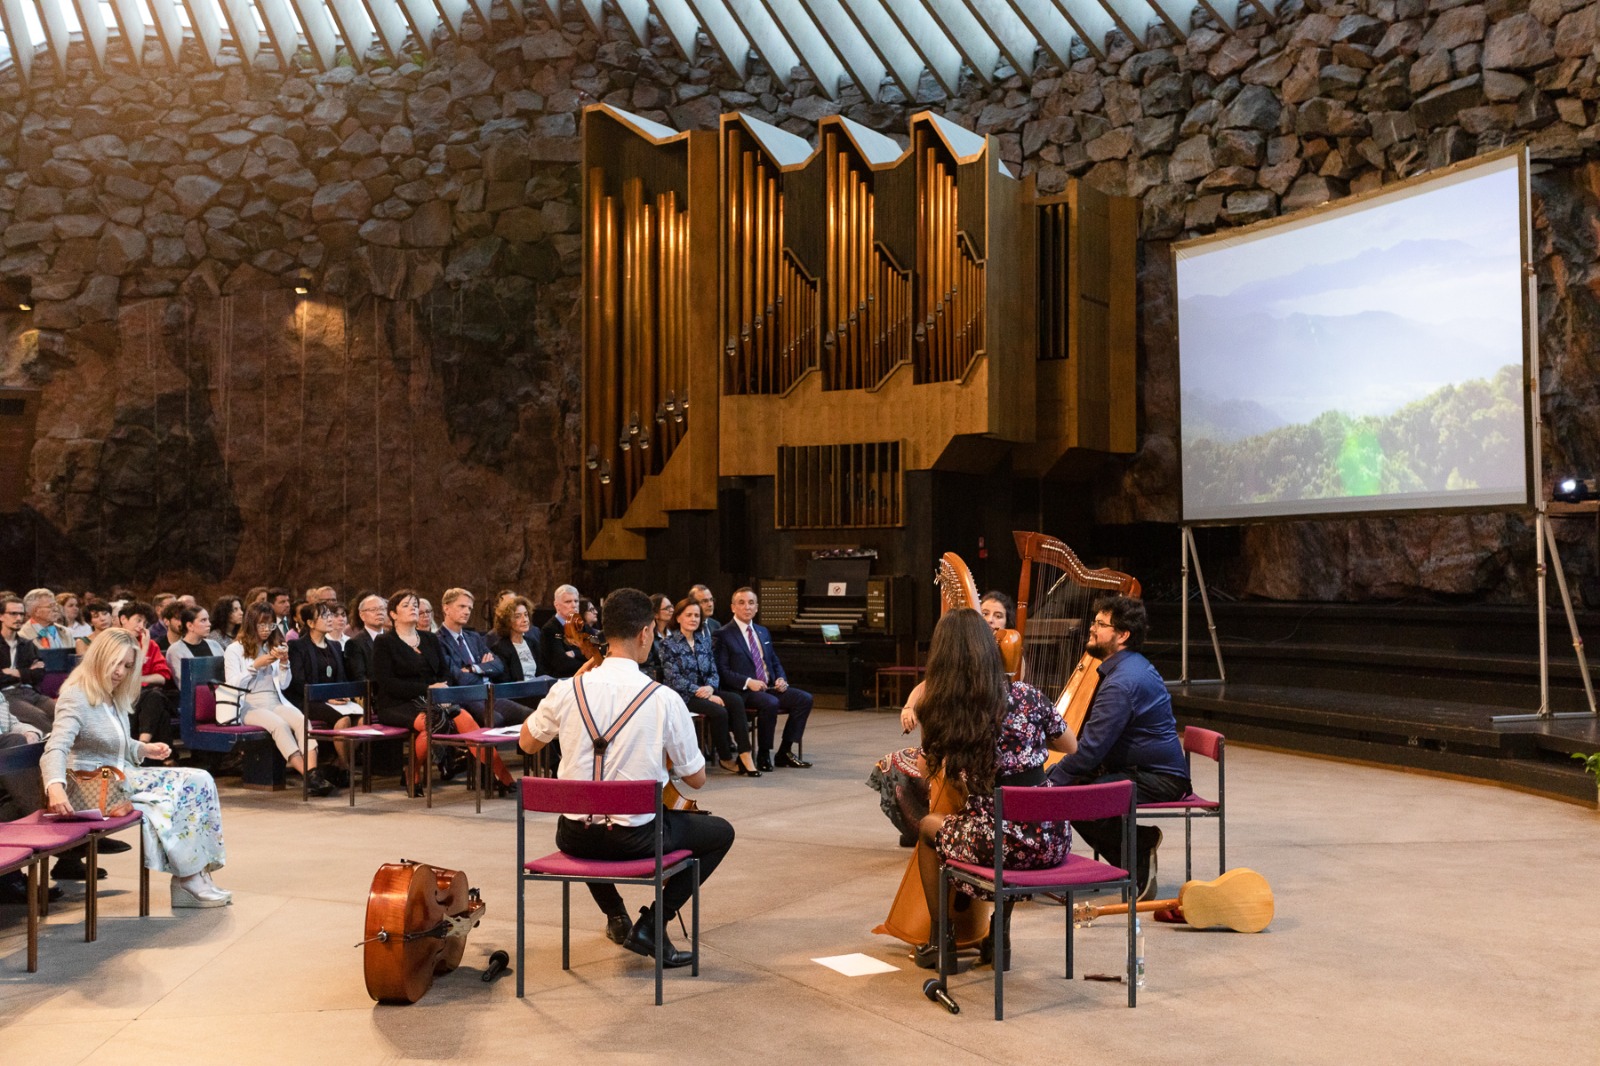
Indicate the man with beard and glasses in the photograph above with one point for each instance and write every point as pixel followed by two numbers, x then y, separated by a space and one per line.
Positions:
pixel 1130 734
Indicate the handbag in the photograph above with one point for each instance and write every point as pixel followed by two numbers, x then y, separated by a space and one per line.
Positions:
pixel 104 789
pixel 440 717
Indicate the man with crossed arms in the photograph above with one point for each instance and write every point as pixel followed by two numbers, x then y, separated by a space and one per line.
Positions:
pixel 660 724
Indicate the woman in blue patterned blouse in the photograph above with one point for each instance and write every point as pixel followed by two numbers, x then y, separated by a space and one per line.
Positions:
pixel 689 670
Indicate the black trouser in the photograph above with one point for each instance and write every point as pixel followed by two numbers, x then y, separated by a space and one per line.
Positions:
pixel 721 718
pixel 706 836
pixel 31 707
pixel 1105 834
pixel 794 702
pixel 152 714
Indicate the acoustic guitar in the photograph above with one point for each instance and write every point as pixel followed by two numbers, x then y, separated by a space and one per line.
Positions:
pixel 1240 900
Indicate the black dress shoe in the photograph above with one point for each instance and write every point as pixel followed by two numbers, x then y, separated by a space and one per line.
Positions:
pixel 75 870
pixel 337 774
pixel 14 889
pixel 764 763
pixel 112 846
pixel 318 785
pixel 617 928
pixel 642 941
pixel 791 761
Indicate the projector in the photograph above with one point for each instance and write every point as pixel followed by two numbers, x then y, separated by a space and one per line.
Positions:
pixel 1574 490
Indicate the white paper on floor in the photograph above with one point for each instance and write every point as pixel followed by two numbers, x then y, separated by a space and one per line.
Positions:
pixel 856 965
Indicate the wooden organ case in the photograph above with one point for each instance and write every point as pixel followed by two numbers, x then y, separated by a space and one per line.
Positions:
pixel 835 316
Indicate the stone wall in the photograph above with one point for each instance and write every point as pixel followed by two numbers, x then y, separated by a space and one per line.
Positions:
pixel 414 417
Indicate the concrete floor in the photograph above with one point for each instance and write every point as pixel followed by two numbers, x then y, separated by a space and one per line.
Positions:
pixel 1419 919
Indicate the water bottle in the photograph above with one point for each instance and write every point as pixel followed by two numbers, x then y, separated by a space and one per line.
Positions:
pixel 1138 954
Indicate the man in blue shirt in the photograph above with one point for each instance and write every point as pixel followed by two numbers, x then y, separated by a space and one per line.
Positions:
pixel 1129 734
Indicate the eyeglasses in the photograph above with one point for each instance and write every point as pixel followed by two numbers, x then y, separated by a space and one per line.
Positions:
pixel 1097 624
pixel 13 614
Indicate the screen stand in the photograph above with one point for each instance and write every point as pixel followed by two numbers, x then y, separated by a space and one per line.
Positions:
pixel 1544 536
pixel 1187 552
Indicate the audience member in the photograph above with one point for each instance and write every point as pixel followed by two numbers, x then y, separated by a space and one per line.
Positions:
pixel 690 669
pixel 512 621
pixel 18 797
pixel 170 628
pixel 182 822
pixel 72 616
pixel 372 618
pixel 152 716
pixel 747 661
pixel 100 615
pixel 258 669
pixel 193 629
pixel 315 659
pixel 338 626
pixel 158 627
pixel 500 600
pixel 425 620
pixel 21 669
pixel 708 606
pixel 407 661
pixel 256 595
pixel 591 618
pixel 227 615
pixel 662 615
pixel 40 607
pixel 469 660
pixel 278 600
pixel 560 658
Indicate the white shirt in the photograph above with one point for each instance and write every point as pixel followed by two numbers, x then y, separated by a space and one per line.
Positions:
pixel 530 668
pixel 663 724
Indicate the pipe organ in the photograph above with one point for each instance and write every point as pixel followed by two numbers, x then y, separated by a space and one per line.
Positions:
pixel 860 309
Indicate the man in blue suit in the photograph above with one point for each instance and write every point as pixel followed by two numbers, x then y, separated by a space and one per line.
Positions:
pixel 467 654
pixel 747 662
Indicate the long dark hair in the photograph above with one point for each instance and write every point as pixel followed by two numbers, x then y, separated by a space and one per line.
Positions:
pixel 963 701
pixel 222 617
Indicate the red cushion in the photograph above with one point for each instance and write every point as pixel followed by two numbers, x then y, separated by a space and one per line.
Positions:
pixel 1077 870
pixel 561 864
pixel 43 837
pixel 205 705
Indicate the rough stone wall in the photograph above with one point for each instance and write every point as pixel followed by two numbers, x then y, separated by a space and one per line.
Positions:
pixel 201 424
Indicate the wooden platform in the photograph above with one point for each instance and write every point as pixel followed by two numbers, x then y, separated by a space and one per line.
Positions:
pixel 1406 685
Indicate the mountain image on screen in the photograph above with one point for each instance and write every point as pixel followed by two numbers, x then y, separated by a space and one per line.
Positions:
pixel 1461 437
pixel 1369 359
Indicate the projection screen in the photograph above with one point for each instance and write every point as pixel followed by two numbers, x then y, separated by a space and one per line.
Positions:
pixel 1362 358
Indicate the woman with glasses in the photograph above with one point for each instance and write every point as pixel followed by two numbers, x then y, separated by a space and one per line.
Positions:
pixel 257 667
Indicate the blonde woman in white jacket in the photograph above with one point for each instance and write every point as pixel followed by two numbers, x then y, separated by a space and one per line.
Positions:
pixel 257 667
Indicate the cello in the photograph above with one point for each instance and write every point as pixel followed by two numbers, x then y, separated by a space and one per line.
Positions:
pixel 418 917
pixel 579 637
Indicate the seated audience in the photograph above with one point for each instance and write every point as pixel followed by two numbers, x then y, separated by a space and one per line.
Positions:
pixel 560 658
pixel 315 659
pixel 41 628
pixel 258 672
pixel 193 629
pixel 425 619
pixel 19 792
pixel 372 618
pixel 169 630
pixel 159 603
pixel 338 626
pixel 182 823
pixel 690 669
pixel 407 661
pixel 662 616
pixel 72 617
pixel 708 606
pixel 256 595
pixel 591 618
pixel 101 615
pixel 512 621
pixel 21 669
pixel 747 662
pixel 469 660
pixel 152 719
pixel 282 618
pixel 227 615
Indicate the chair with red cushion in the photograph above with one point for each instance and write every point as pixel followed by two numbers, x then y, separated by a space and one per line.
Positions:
pixel 94 832
pixel 1075 876
pixel 17 858
pixel 368 732
pixel 599 799
pixel 1209 745
pixel 197 724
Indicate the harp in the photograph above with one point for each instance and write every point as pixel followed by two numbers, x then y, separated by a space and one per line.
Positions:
pixel 956 589
pixel 1055 604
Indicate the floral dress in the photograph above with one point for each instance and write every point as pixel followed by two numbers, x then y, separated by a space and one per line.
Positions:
pixel 968 835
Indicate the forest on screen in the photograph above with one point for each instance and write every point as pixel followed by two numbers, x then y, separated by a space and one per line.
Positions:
pixel 1462 436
